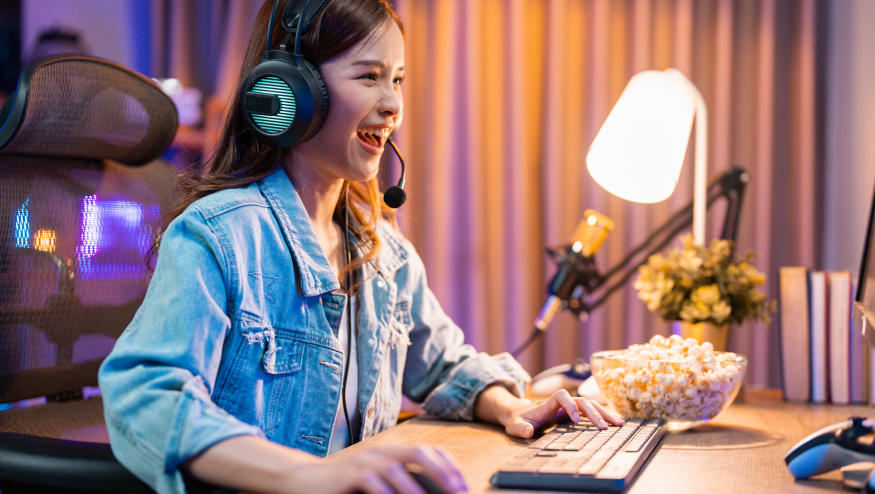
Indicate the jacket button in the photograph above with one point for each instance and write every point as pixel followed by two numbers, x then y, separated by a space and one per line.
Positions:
pixel 370 412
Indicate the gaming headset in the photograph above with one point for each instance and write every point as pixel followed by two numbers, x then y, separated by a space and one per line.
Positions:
pixel 284 99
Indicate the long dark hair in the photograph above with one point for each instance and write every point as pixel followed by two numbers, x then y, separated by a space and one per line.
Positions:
pixel 241 159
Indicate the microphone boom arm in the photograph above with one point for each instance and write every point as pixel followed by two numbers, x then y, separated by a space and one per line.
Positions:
pixel 594 288
pixel 730 185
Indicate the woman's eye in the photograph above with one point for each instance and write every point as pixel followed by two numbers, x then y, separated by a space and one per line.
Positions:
pixel 371 76
pixel 398 80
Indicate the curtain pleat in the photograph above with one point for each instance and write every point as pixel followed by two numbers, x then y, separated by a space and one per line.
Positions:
pixel 503 99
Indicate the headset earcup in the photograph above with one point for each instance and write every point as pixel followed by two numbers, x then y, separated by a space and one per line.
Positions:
pixel 266 80
pixel 282 103
pixel 320 96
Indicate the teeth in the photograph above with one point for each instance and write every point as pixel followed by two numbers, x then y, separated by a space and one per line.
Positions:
pixel 380 132
pixel 378 135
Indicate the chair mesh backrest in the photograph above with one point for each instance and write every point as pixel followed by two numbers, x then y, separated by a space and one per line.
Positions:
pixel 72 265
pixel 85 107
pixel 74 232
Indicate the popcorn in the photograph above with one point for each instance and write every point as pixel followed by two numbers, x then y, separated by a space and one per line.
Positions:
pixel 671 378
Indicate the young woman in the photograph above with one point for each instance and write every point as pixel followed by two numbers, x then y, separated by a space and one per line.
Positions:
pixel 233 368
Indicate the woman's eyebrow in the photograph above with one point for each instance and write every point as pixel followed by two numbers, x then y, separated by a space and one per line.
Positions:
pixel 374 63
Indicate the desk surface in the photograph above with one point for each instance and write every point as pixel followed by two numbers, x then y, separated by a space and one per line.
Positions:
pixel 742 450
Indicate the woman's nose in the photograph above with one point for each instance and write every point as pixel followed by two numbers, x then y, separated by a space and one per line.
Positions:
pixel 391 103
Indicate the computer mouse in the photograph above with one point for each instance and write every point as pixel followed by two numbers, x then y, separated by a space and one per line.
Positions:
pixel 424 481
pixel 564 376
pixel 832 447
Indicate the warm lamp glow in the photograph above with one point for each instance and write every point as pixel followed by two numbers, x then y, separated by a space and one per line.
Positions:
pixel 44 240
pixel 638 153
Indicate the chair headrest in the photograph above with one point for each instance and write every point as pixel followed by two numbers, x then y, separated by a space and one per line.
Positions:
pixel 84 107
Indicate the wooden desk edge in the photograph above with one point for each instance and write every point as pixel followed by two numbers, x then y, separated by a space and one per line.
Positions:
pixel 750 438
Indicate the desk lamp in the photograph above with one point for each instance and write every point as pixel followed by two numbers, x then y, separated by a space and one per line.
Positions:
pixel 637 155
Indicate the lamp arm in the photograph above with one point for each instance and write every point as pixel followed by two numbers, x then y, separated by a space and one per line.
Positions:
pixel 729 185
pixel 700 164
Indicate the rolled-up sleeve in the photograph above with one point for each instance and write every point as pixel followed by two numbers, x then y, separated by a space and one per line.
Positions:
pixel 157 381
pixel 442 372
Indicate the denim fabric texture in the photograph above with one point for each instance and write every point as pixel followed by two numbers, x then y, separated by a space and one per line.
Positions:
pixel 238 334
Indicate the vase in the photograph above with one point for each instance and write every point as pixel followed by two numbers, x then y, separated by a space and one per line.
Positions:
pixel 718 335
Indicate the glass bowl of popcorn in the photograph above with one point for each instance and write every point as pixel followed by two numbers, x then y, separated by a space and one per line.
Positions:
pixel 679 380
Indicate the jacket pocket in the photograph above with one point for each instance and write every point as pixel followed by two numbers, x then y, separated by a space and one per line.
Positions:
pixel 398 340
pixel 400 326
pixel 282 364
pixel 267 366
pixel 282 355
pixel 401 315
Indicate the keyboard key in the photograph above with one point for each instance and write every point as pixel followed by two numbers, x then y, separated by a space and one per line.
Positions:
pixel 595 463
pixel 559 468
pixel 529 466
pixel 565 462
pixel 619 466
pixel 544 440
pixel 559 443
pixel 640 438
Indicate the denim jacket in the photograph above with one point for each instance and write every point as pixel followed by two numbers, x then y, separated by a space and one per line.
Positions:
pixel 238 334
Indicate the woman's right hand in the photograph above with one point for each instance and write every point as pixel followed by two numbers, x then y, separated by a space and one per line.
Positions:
pixel 378 470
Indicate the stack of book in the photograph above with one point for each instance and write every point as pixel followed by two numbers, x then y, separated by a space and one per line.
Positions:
pixel 824 358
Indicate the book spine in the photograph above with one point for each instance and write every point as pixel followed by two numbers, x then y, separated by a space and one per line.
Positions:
pixel 794 336
pixel 819 347
pixel 839 336
pixel 859 356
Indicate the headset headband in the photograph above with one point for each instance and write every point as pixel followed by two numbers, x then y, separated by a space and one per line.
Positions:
pixel 294 20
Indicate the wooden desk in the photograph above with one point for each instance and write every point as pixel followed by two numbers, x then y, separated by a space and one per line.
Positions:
pixel 740 451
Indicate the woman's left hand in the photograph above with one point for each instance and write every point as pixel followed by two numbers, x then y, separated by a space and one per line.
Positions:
pixel 525 417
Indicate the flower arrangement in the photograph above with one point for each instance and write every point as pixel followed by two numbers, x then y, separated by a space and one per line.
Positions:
pixel 699 284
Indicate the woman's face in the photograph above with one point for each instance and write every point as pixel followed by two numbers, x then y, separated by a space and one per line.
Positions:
pixel 364 90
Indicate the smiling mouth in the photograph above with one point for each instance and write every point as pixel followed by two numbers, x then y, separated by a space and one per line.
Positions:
pixel 374 137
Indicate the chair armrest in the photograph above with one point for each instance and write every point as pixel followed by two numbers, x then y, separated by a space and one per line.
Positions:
pixel 34 460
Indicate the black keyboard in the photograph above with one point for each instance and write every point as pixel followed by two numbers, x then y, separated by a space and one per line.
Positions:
pixel 583 457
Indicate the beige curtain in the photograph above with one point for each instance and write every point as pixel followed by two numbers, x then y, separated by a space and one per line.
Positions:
pixel 503 98
pixel 202 43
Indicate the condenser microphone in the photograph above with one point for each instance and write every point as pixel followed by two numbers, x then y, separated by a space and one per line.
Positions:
pixel 575 264
pixel 395 196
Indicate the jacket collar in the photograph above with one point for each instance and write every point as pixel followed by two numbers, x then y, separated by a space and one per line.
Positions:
pixel 315 274
pixel 392 255
pixel 314 271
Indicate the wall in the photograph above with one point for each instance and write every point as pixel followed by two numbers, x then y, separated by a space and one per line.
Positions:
pixel 105 25
pixel 849 172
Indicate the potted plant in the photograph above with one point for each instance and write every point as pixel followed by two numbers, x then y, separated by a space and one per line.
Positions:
pixel 703 290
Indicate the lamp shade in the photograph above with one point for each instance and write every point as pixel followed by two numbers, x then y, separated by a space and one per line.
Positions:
pixel 638 153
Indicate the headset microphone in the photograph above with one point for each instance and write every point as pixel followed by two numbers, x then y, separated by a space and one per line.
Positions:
pixel 395 196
